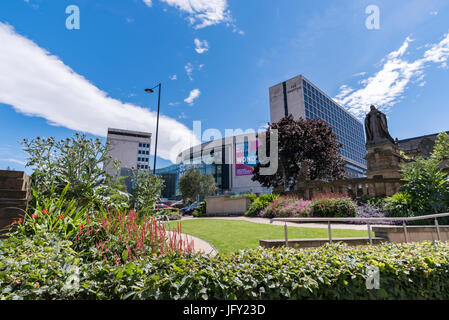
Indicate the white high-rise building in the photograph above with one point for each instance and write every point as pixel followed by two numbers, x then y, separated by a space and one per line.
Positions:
pixel 302 99
pixel 131 148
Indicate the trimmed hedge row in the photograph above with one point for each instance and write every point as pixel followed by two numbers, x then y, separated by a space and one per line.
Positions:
pixel 47 268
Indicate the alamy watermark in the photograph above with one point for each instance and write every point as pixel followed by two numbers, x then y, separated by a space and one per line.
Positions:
pixel 73 20
pixel 372 22
pixel 373 279
pixel 236 146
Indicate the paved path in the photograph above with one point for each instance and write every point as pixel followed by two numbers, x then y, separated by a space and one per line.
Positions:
pixel 289 224
pixel 203 246
pixel 200 245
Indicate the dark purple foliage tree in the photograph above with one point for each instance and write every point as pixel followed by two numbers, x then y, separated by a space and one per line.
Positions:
pixel 307 150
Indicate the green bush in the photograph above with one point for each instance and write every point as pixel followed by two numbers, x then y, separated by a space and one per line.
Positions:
pixel 39 268
pixel 398 205
pixel 427 185
pixel 168 214
pixel 200 210
pixel 334 207
pixel 259 203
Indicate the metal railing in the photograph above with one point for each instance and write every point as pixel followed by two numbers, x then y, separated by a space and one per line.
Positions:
pixel 368 222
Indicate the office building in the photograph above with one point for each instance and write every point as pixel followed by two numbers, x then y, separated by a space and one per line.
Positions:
pixel 131 148
pixel 301 98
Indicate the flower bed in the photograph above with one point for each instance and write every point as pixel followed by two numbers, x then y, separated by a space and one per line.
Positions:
pixel 285 207
pixel 327 205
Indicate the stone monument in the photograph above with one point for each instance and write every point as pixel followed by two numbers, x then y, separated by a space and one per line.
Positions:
pixel 383 157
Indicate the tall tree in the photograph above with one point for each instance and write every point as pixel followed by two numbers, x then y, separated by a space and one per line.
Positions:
pixel 194 184
pixel 307 150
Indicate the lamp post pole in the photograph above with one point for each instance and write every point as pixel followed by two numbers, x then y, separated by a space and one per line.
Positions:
pixel 157 121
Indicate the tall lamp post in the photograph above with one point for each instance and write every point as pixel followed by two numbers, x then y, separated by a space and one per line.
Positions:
pixel 151 90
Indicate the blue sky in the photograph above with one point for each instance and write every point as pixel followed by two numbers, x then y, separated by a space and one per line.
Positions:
pixel 216 60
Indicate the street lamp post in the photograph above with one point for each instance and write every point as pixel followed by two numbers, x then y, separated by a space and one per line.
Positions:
pixel 157 122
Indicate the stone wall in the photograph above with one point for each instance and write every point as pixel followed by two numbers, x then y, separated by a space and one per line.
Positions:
pixel 354 188
pixel 226 205
pixel 15 193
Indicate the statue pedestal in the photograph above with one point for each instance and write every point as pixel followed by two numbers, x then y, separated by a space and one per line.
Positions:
pixel 383 160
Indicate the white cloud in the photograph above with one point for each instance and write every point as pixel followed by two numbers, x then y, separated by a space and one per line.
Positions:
pixel 14 161
pixel 173 77
pixel 385 88
pixel 36 83
pixel 201 46
pixel 189 70
pixel 172 104
pixel 400 52
pixel 194 94
pixel 202 13
pixel 359 74
pixel 148 2
pixel 434 13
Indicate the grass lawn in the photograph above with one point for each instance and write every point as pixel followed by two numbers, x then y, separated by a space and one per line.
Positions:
pixel 232 235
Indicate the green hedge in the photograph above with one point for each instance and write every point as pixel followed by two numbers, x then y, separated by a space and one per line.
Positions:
pixel 334 207
pixel 47 268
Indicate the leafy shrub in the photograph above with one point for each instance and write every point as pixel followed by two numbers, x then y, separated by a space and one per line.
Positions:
pixel 77 161
pixel 38 268
pixel 287 206
pixel 333 206
pixel 41 266
pixel 53 214
pixel 168 214
pixel 146 191
pixel 259 203
pixel 200 210
pixel 398 205
pixel 427 185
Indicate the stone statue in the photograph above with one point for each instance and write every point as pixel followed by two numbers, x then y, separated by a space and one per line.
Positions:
pixel 376 128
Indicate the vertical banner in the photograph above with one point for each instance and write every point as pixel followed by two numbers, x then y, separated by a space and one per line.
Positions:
pixel 245 157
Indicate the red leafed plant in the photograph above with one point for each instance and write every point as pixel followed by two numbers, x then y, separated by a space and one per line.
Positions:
pixel 122 236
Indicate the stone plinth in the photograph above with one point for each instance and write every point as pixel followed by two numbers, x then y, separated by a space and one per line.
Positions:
pixel 383 160
pixel 414 233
